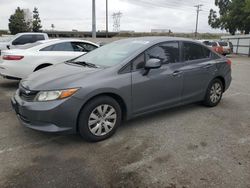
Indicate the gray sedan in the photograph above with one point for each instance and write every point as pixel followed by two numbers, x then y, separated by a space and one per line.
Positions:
pixel 94 93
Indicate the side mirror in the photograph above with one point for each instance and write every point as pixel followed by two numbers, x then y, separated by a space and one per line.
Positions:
pixel 8 47
pixel 152 64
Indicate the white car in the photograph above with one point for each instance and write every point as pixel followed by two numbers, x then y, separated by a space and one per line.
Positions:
pixel 19 63
pixel 20 39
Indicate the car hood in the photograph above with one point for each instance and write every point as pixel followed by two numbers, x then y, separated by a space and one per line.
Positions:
pixel 60 76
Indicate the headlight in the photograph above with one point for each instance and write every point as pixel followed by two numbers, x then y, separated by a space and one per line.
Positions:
pixel 54 95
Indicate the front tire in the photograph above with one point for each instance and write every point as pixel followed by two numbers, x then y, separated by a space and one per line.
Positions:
pixel 214 93
pixel 99 119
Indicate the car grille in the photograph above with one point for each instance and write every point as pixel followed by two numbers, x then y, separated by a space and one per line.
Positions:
pixel 27 95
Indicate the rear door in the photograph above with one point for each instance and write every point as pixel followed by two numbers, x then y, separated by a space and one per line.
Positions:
pixel 58 53
pixel 197 71
pixel 160 87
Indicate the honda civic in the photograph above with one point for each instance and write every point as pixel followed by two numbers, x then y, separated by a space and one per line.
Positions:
pixel 92 94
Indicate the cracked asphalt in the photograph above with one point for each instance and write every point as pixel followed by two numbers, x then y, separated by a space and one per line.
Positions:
pixel 189 146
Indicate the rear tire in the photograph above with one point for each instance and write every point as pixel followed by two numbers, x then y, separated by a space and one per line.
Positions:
pixel 99 119
pixel 214 93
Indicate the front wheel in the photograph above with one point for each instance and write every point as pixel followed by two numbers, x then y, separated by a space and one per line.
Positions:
pixel 99 119
pixel 214 93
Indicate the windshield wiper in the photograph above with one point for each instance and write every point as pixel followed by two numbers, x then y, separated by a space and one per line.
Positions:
pixel 83 63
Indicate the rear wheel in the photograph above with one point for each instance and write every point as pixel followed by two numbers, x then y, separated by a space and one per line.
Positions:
pixel 214 93
pixel 99 119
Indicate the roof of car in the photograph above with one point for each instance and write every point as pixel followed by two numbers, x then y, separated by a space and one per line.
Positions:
pixel 159 39
pixel 31 33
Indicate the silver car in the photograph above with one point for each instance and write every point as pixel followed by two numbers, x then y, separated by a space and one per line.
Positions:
pixel 94 93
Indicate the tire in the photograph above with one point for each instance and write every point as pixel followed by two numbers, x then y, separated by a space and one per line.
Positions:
pixel 99 119
pixel 214 93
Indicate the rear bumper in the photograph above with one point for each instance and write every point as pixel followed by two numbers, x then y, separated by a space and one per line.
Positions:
pixel 52 116
pixel 10 70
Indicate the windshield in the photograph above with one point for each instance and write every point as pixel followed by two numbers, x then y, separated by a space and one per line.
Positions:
pixel 113 53
pixel 6 38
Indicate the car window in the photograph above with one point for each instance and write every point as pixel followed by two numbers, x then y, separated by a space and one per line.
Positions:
pixel 82 47
pixel 213 44
pixel 113 53
pixel 194 51
pixel 139 62
pixel 48 48
pixel 222 43
pixel 65 46
pixel 24 39
pixel 167 52
pixel 39 37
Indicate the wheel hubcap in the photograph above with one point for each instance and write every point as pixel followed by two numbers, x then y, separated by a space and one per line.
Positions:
pixel 102 120
pixel 215 93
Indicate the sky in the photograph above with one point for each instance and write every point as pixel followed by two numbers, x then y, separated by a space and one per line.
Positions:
pixel 137 15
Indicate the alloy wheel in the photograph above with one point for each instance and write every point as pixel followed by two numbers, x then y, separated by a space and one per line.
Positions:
pixel 215 92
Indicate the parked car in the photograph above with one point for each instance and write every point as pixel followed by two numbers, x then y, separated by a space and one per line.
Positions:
pixel 227 47
pixel 13 42
pixel 119 81
pixel 19 63
pixel 214 46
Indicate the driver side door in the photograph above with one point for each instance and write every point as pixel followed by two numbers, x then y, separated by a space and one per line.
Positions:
pixel 160 88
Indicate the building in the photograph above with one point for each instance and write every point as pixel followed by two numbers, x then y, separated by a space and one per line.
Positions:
pixel 160 31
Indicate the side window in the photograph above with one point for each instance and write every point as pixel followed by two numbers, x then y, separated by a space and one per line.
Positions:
pixel 82 47
pixel 167 52
pixel 24 39
pixel 65 46
pixel 38 37
pixel 139 62
pixel 194 51
pixel 207 52
pixel 48 48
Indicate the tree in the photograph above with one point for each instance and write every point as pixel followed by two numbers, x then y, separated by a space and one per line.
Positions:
pixel 17 23
pixel 234 15
pixel 36 23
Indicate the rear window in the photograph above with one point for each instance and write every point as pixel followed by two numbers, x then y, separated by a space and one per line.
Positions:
pixel 222 43
pixel 39 37
pixel 194 51
pixel 212 44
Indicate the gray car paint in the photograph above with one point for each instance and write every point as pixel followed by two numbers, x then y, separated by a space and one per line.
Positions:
pixel 171 85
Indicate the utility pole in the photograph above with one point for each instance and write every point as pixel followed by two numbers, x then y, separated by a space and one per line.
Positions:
pixel 107 27
pixel 93 20
pixel 197 18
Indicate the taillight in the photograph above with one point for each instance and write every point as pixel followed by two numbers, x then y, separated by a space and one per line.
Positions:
pixel 13 57
pixel 229 62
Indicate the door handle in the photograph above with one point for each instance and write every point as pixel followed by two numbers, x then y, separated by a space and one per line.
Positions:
pixel 176 73
pixel 207 66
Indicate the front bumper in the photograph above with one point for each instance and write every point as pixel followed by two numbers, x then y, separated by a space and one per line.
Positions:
pixel 51 116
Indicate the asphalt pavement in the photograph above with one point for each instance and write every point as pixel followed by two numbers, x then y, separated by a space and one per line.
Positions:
pixel 189 146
